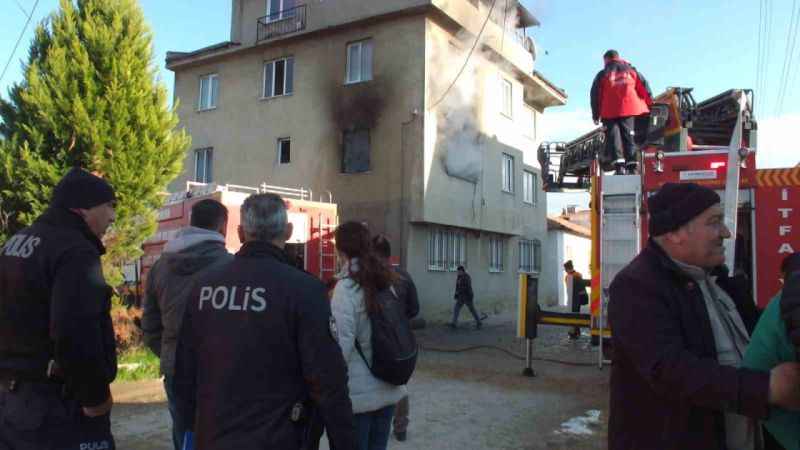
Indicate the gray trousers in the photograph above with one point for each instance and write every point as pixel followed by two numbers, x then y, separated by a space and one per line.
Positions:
pixel 457 311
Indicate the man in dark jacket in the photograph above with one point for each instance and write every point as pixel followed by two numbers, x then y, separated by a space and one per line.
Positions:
pixel 790 299
pixel 576 292
pixel 57 349
pixel 679 333
pixel 195 249
pixel 407 293
pixel 619 94
pixel 465 296
pixel 258 346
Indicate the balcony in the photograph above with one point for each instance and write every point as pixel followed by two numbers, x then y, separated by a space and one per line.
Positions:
pixel 281 23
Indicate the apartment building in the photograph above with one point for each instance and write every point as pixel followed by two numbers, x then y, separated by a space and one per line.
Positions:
pixel 418 117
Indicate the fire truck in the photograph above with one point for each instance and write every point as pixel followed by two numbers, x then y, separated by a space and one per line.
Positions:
pixel 310 248
pixel 712 143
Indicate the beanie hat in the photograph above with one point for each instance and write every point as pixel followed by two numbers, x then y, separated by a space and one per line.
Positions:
pixel 676 204
pixel 81 189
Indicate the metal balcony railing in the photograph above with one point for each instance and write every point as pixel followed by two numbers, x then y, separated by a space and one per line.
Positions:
pixel 281 23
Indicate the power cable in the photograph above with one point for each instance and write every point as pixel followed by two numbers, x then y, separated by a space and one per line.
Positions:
pixel 791 40
pixel 21 35
pixel 466 62
pixel 24 11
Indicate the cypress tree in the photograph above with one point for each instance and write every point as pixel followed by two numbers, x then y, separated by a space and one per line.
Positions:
pixel 90 98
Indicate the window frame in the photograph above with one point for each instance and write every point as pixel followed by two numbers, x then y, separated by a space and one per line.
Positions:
pixel 507 173
pixel 497 254
pixel 507 109
pixel 201 97
pixel 529 194
pixel 530 128
pixel 288 82
pixel 282 9
pixel 447 249
pixel 208 156
pixel 361 44
pixel 344 151
pixel 280 150
pixel 530 256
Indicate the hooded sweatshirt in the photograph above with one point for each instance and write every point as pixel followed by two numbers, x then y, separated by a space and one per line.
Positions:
pixel 169 284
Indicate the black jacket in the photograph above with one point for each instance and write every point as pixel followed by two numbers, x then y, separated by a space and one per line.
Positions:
pixel 55 304
pixel 464 292
pixel 667 389
pixel 257 338
pixel 790 301
pixel 407 292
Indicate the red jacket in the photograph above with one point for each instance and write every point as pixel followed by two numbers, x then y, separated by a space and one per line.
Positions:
pixel 619 91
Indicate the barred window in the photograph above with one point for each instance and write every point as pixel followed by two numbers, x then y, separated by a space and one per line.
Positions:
pixel 530 256
pixel 447 249
pixel 497 254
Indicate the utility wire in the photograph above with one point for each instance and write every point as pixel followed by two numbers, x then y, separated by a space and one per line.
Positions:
pixel 21 35
pixel 466 62
pixel 24 11
pixel 791 40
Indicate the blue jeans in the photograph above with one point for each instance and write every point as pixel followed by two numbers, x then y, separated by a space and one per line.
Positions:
pixel 178 427
pixel 373 428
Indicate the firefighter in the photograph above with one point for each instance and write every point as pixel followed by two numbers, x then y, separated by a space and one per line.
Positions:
pixel 258 347
pixel 576 292
pixel 680 330
pixel 57 349
pixel 619 94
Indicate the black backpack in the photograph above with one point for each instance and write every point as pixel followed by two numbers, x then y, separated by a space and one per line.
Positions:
pixel 394 348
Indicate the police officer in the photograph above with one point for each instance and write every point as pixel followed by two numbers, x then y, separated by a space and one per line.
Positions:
pixel 57 350
pixel 258 346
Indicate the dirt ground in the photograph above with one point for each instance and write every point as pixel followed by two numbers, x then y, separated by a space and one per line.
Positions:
pixel 474 399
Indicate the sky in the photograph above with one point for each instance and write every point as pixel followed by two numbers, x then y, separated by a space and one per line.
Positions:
pixel 711 46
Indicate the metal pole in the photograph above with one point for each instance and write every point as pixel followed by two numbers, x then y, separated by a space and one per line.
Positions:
pixel 529 372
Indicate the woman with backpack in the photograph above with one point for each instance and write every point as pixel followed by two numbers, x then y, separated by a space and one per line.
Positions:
pixel 362 278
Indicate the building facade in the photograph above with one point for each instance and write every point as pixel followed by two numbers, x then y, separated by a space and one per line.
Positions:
pixel 417 117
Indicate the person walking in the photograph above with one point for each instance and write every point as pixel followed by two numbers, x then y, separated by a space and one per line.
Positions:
pixel 680 330
pixel 195 249
pixel 362 277
pixel 57 349
pixel 407 294
pixel 465 296
pixel 619 94
pixel 257 348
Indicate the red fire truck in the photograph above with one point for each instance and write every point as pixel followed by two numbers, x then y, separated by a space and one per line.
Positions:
pixel 311 246
pixel 712 143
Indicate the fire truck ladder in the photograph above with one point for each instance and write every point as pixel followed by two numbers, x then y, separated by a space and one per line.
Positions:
pixel 327 247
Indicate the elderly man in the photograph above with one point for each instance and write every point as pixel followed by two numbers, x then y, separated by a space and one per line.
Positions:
pixel 57 350
pixel 679 335
pixel 258 346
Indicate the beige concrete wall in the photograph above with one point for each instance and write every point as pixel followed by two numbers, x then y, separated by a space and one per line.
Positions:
pixel 244 129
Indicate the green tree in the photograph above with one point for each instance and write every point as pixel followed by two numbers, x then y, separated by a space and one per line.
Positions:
pixel 90 98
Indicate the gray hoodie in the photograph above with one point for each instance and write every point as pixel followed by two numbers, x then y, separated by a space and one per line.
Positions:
pixel 169 284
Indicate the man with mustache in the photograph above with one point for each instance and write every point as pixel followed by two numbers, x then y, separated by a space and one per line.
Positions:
pixel 680 330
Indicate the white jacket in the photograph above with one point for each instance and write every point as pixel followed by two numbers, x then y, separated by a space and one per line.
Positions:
pixel 367 393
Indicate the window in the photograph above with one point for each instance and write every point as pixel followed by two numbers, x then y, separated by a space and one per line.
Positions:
pixel 496 254
pixel 284 151
pixel 355 151
pixel 203 165
pixel 447 249
pixel 530 256
pixel 279 77
pixel 508 173
pixel 529 126
pixel 280 9
pixel 529 182
pixel 209 90
pixel 507 99
pixel 359 62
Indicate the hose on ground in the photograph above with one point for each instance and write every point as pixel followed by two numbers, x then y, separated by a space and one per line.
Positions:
pixel 506 351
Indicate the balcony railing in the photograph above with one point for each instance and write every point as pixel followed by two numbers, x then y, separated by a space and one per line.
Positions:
pixel 281 23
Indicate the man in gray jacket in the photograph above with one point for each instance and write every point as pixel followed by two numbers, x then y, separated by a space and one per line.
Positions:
pixel 195 250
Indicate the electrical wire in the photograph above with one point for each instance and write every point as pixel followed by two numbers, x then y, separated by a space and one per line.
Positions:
pixel 469 55
pixel 507 352
pixel 791 41
pixel 21 35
